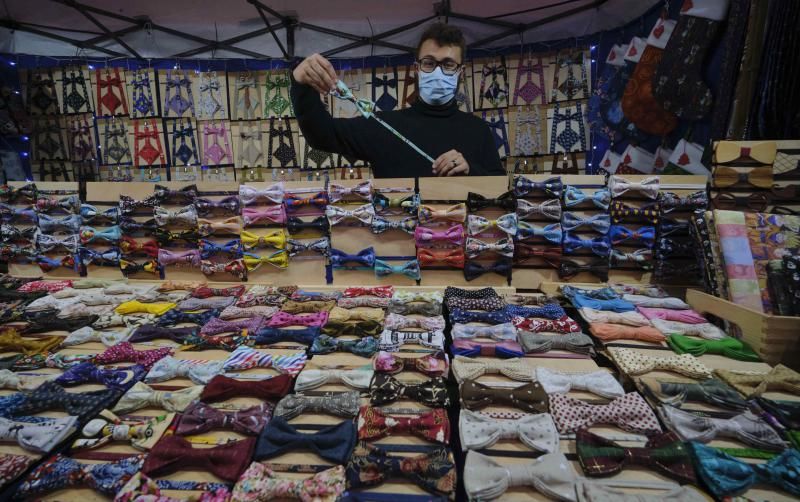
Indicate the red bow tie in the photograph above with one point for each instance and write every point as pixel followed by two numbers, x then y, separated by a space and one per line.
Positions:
pixel 174 453
pixel 374 424
pixel 221 388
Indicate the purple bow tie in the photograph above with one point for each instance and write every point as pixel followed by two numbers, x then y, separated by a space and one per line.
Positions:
pixel 282 319
pixel 122 378
pixel 216 326
pixel 151 332
pixel 200 417
pixel 191 256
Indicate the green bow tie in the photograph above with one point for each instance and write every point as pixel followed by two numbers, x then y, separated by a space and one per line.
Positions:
pixel 728 347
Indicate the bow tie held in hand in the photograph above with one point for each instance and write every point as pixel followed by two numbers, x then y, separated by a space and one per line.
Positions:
pixel 433 425
pixel 259 482
pixel 334 443
pixel 174 453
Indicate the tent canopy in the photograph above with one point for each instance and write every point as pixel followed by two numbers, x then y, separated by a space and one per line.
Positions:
pixel 269 29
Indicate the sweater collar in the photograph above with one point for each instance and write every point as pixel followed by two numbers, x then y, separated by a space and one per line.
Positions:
pixel 446 110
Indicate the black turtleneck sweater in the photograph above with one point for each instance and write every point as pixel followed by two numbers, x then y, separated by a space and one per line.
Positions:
pixel 435 129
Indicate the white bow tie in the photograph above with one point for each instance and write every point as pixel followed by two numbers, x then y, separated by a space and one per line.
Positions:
pixel 41 437
pixel 601 382
pixel 358 378
pixel 480 430
pixel 199 372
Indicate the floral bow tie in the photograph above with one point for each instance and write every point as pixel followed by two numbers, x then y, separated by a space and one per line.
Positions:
pixel 574 196
pixel 629 412
pixel 476 202
pixel 142 395
pixel 11 194
pixel 456 213
pixel 260 483
pixel 434 471
pixel 480 431
pixel 185 217
pixel 176 316
pixel 199 418
pixel 174 453
pixel 334 443
pixel 648 186
pixel 664 453
pixel 140 488
pixel 386 389
pixel 432 365
pixel 550 209
pixel 523 186
pixel 459 316
pixel 506 223
pixel 364 214
pixel 745 427
pixel 374 424
pixel 60 472
pixel 244 358
pixel 237 268
pixel 250 195
pixel 362 190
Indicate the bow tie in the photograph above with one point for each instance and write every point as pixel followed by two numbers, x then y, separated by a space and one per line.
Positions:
pixel 176 316
pixel 283 319
pixel 671 201
pixel 340 404
pixel 449 257
pixel 121 378
pixel 504 331
pixel 456 213
pixel 578 343
pixel 60 472
pixel 362 190
pixel 469 348
pixel 90 234
pixel 296 225
pixel 453 235
pixel 294 202
pixel 563 325
pixel 600 223
pixel 664 453
pixel 364 258
pixel 51 396
pixel 260 483
pixel 11 194
pixel 279 259
pixel 459 316
pixel 601 383
pixel 598 245
pixel 392 340
pixel 552 232
pixel 321 246
pixel 200 417
pixel 362 329
pixel 476 247
pixel 386 389
pixel 128 245
pixel 574 196
pixel 89 213
pixel 763 152
pixel 358 378
pixel 371 465
pixel 779 378
pixel 334 443
pixel 550 474
pixel 465 368
pixel 45 242
pixel 10 213
pixel 480 431
pixel 409 203
pixel 10 341
pixel 217 326
pixel 550 209
pixel 569 269
pixel 629 412
pixel 222 388
pixel 268 336
pixel 621 212
pixel 206 207
pixel 186 194
pixel 374 424
pixel 529 397
pixel 233 248
pixel 142 395
pixel 244 358
pixel 364 214
pixel 745 427
pixel 476 202
pixel 473 270
pixel 645 236
pixel 150 332
pixel 399 322
pixel 276 239
pixel 377 291
pixel 338 314
pixel 380 225
pixel 726 476
pixel 183 217
pixel 711 391
pixel 141 435
pixel 523 186
pixel 125 353
pixel 38 438
pixel 648 186
pixel 70 224
pixel 174 453
pixel 190 257
pixel 728 347
pixel 634 363
pixel 506 223
pixel 409 269
pixel 271 214
pixel 432 365
pixel 140 488
pixel 199 372
pixel 249 195
pixel 364 347
pixel 758 177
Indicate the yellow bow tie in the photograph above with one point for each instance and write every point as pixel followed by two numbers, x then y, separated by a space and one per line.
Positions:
pixel 10 341
pixel 136 307
pixel 276 239
pixel 279 259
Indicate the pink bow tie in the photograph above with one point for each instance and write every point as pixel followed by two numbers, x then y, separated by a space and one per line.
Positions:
pixel 363 191
pixel 282 319
pixel 191 257
pixel 629 412
pixel 216 326
pixel 272 214
pixel 453 235
pixel 124 352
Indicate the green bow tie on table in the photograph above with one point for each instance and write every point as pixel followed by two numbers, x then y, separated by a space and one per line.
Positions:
pixel 728 347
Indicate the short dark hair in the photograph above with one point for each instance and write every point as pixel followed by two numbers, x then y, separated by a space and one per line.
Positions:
pixel 444 34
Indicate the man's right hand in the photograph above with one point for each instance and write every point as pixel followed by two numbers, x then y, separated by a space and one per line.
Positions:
pixel 317 72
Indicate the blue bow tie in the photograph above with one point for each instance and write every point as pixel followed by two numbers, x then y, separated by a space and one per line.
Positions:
pixel 600 223
pixel 334 443
pixel 232 248
pixel 523 186
pixel 473 270
pixel 550 232
pixel 574 196
pixel 408 269
pixel 669 226
pixel 60 472
pixel 91 234
pixel 599 245
pixel 306 336
pixel 108 258
pixel 175 316
pixel 10 212
pixel 548 311
pixel 48 224
pixel 365 258
pixel 121 378
pixel 489 349
pixel 380 225
pixel 364 347
pixel 644 235
pixel 460 316
pixel 90 213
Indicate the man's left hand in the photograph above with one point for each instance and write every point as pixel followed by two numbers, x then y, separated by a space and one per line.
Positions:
pixel 451 163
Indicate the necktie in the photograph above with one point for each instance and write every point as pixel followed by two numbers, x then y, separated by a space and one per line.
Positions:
pixel 433 425
pixel 571 342
pixel 200 417
pixel 222 388
pixel 371 465
pixel 550 474
pixel 60 472
pixel 340 404
pixel 745 427
pixel 174 453
pixel 479 431
pixel 664 453
pixel 260 483
pixel 629 412
pixel 358 378
pixel 528 397
pixel 635 363
pixel 334 443
pixel 465 368
pixel 120 378
pixel 199 372
pixel 728 347
pixel 726 476
pixel 601 383
pixel 38 438
pixel 779 378
pixel 386 389
pixel 142 395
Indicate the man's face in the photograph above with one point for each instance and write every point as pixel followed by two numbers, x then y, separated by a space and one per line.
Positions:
pixel 430 49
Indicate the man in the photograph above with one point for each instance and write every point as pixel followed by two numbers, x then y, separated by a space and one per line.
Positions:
pixel 460 143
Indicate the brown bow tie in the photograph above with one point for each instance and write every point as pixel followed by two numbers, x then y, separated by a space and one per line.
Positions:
pixel 529 397
pixel 174 453
pixel 221 388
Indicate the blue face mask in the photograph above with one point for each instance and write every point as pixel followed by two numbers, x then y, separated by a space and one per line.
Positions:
pixel 436 88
